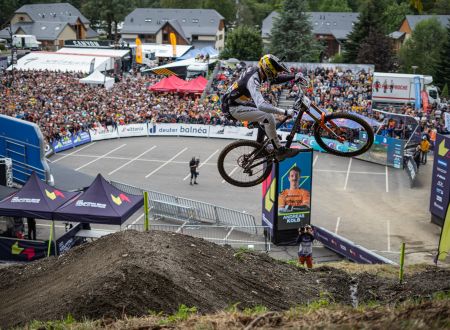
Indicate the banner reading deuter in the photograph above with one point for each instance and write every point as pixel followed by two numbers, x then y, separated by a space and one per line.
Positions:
pixel 294 186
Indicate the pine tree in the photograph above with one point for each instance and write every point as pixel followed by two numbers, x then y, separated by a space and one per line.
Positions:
pixel 371 53
pixel 442 76
pixel 369 20
pixel 292 35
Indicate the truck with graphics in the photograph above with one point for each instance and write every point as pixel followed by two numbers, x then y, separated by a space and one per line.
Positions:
pixel 401 88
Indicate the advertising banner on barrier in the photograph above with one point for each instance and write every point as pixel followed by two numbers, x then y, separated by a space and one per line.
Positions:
pixel 194 130
pixel 102 133
pixel 22 250
pixel 294 191
pixel 68 240
pixel 81 138
pixel 162 129
pixel 63 144
pixel 411 169
pixel 232 132
pixel 132 130
pixel 348 248
pixel 440 184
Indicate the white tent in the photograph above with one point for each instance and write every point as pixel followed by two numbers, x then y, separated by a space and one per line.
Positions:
pixel 98 78
pixel 62 62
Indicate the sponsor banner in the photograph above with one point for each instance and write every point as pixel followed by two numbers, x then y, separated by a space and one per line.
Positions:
pixel 447 121
pixel 68 240
pixel 81 138
pixel 411 169
pixel 233 132
pixel 103 133
pixel 132 130
pixel 294 191
pixel 63 144
pixel 12 249
pixel 194 130
pixel 48 150
pixel 348 248
pixel 179 129
pixel 440 185
pixel 163 129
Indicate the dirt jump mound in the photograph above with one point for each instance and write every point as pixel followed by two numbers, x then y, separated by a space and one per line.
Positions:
pixel 132 273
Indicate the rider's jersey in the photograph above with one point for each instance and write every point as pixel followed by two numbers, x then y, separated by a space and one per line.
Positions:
pixel 246 91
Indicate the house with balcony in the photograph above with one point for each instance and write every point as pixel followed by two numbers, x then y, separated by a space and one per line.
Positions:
pixel 51 23
pixel 330 28
pixel 197 27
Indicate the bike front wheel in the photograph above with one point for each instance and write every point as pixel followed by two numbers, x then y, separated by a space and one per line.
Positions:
pixel 344 134
pixel 244 163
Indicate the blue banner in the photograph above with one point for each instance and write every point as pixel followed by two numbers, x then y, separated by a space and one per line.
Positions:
pixel 69 240
pixel 63 144
pixel 294 191
pixel 81 138
pixel 22 250
pixel 417 88
pixel 440 184
pixel 347 248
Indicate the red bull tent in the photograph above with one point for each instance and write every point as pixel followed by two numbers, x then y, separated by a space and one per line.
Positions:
pixel 170 84
pixel 196 85
pixel 100 203
pixel 36 199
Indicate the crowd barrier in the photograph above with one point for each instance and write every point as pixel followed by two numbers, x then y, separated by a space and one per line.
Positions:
pixel 411 169
pixel 153 129
pixel 348 249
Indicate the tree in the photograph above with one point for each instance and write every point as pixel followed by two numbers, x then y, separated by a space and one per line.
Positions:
pixel 226 8
pixel 181 3
pixel 334 6
pixel 376 49
pixel 108 12
pixel 441 7
pixel 422 49
pixel 369 20
pixel 291 35
pixel 442 77
pixel 417 5
pixel 444 93
pixel 244 43
pixel 394 15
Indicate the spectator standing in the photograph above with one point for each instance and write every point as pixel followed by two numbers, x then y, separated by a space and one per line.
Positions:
pixel 305 240
pixel 193 165
pixel 424 148
pixel 31 222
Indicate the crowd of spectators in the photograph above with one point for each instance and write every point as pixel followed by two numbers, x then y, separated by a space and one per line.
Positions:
pixel 61 105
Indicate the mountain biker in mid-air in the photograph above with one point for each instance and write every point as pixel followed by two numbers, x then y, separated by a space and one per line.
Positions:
pixel 244 101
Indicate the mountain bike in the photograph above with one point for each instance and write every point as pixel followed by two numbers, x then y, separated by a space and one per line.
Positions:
pixel 246 163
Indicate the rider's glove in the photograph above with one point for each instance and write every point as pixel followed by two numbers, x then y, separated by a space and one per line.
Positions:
pixel 288 112
pixel 299 78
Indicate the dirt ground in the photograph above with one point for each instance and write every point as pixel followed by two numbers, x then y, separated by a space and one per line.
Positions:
pixel 133 273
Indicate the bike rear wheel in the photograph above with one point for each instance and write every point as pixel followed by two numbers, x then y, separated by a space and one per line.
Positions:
pixel 244 163
pixel 344 134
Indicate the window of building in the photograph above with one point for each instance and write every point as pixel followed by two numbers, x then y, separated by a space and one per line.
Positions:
pixel 165 36
pixel 43 27
pixel 211 20
pixel 184 20
pixel 195 20
pixel 220 36
pixel 194 38
pixel 148 19
pixel 21 18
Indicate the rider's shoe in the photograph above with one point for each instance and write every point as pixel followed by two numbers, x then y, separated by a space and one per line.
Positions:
pixel 283 153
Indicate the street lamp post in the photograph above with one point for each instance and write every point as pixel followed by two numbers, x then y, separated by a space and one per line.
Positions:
pixel 414 67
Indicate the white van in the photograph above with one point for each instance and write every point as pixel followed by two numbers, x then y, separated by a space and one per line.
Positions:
pixel 25 41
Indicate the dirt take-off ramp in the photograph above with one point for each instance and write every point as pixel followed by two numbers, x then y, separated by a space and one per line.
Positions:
pixel 132 273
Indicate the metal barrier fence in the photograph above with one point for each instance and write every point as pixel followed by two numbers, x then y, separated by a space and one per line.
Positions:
pixel 205 212
pixel 236 237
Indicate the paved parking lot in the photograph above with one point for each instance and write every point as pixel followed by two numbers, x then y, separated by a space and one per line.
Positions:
pixel 364 202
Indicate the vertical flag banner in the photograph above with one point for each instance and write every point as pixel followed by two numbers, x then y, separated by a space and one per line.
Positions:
pixel 92 66
pixel 138 51
pixel 173 42
pixel 417 89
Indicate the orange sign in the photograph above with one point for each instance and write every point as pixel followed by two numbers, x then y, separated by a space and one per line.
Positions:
pixel 173 42
pixel 138 51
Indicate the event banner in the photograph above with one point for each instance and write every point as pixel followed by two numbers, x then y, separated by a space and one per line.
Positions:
pixel 22 250
pixel 232 132
pixel 347 248
pixel 63 144
pixel 385 151
pixel 132 130
pixel 80 138
pixel 102 133
pixel 179 129
pixel 269 211
pixel 294 191
pixel 440 185
pixel 411 169
pixel 69 240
